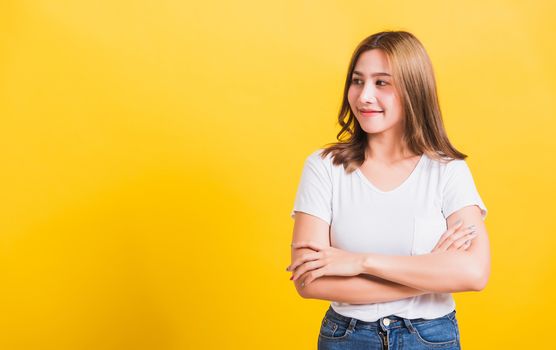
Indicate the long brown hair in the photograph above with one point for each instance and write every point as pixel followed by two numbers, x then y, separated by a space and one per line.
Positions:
pixel 413 77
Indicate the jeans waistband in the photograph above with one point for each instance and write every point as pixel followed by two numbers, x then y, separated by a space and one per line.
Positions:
pixel 394 321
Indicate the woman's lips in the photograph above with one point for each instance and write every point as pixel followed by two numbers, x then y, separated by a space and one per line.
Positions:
pixel 370 113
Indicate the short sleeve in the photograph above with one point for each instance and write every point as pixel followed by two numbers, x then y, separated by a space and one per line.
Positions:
pixel 459 189
pixel 314 192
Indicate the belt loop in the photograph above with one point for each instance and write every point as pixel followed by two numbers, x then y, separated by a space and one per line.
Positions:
pixel 351 326
pixel 409 325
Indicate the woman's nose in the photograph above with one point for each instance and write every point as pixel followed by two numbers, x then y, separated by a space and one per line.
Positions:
pixel 368 94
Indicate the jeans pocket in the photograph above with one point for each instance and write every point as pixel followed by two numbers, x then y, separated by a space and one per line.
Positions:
pixel 332 329
pixel 454 320
pixel 439 332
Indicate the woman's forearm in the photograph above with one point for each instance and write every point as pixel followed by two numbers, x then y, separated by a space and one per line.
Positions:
pixel 439 272
pixel 361 289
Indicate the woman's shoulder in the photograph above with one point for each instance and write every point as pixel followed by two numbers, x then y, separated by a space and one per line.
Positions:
pixel 318 156
pixel 322 161
pixel 445 163
pixel 448 169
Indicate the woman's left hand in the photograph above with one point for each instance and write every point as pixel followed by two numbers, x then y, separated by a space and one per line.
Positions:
pixel 325 261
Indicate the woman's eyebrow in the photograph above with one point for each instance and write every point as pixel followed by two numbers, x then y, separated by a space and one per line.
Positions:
pixel 373 74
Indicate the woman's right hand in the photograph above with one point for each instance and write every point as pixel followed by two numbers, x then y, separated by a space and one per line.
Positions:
pixel 456 238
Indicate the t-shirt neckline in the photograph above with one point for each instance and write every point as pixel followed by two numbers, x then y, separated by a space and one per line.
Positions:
pixel 400 186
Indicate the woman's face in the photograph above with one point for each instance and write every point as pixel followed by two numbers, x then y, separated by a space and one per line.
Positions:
pixel 371 89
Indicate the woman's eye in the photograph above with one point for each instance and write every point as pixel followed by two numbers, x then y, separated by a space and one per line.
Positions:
pixel 359 81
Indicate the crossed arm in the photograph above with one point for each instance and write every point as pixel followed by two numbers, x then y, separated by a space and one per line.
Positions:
pixel 389 278
pixel 361 289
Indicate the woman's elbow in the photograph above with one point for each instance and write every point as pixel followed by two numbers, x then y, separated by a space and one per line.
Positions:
pixel 306 291
pixel 302 291
pixel 479 279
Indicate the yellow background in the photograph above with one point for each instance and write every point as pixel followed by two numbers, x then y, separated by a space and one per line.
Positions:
pixel 151 150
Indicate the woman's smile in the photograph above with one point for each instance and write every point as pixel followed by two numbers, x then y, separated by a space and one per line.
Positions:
pixel 370 113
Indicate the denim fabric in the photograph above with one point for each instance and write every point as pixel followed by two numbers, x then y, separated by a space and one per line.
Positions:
pixel 391 332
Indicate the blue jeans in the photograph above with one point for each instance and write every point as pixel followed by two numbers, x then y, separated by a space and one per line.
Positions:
pixel 391 332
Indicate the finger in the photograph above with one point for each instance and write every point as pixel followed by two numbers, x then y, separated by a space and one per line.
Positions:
pixel 463 233
pixel 464 246
pixel 307 244
pixel 303 259
pixel 454 237
pixel 448 232
pixel 448 242
pixel 451 231
pixel 465 242
pixel 313 275
pixel 312 265
pixel 460 243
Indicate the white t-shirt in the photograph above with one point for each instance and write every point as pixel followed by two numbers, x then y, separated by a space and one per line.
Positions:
pixel 407 220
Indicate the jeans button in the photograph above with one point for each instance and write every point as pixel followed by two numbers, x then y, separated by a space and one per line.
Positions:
pixel 386 321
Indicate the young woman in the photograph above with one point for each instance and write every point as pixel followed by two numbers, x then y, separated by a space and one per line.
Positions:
pixel 388 221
